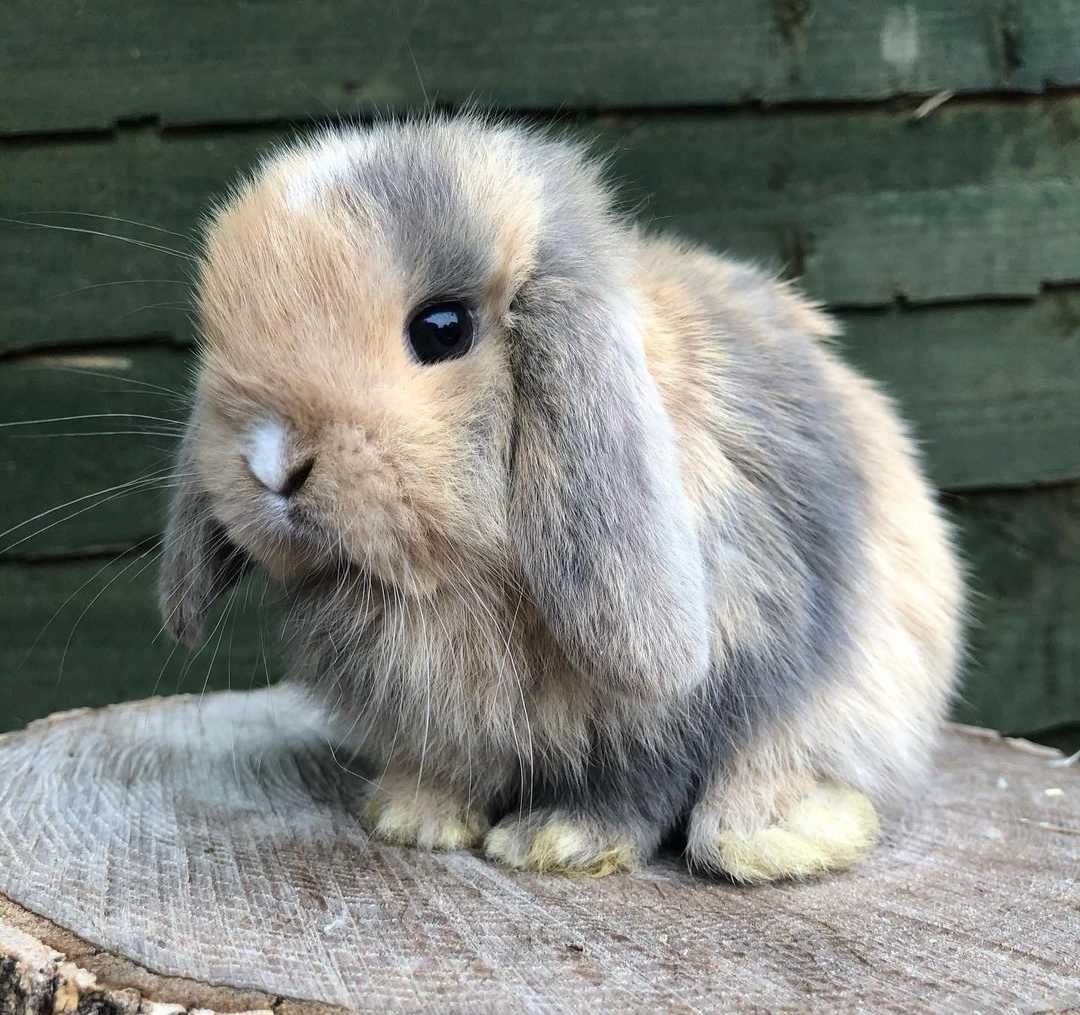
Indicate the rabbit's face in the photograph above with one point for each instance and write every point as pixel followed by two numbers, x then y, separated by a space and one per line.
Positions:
pixel 355 396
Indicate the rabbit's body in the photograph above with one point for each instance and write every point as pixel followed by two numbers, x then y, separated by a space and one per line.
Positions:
pixel 646 556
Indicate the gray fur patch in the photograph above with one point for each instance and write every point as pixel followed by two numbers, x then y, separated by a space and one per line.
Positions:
pixel 198 561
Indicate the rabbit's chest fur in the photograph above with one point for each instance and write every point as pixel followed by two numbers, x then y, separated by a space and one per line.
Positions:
pixel 467 683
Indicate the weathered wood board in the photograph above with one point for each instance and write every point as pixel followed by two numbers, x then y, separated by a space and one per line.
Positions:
pixel 863 206
pixel 79 627
pixel 992 391
pixel 76 633
pixel 94 475
pixel 214 841
pixel 76 66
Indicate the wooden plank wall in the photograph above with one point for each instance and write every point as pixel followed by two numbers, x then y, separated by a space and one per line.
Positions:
pixel 945 234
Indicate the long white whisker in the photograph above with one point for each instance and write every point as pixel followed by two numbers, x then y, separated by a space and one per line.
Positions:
pixel 164 667
pixel 175 434
pixel 154 474
pixel 89 581
pixel 119 377
pixel 212 596
pixel 109 236
pixel 123 281
pixel 202 648
pixel 89 606
pixel 168 305
pixel 128 488
pixel 115 218
pixel 217 648
pixel 92 415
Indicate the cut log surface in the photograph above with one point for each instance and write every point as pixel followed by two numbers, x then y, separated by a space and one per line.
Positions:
pixel 205 853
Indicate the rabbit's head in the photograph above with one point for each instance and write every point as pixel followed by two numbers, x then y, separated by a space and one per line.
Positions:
pixel 423 363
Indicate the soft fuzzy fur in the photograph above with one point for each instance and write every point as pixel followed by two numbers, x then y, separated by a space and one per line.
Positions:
pixel 649 557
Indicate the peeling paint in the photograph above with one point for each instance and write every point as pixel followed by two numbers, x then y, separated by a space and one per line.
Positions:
pixel 80 361
pixel 900 37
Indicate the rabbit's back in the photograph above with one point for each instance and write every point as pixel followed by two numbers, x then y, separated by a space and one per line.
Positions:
pixel 825 546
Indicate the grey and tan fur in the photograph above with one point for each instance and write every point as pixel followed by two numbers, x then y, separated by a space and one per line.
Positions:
pixel 648 558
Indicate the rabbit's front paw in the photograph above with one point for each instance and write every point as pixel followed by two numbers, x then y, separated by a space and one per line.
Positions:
pixel 827 829
pixel 403 814
pixel 548 841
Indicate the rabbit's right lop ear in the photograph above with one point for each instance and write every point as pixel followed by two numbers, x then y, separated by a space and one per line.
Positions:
pixel 604 530
pixel 198 560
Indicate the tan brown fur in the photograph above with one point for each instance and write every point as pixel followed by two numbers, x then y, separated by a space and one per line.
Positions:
pixel 299 313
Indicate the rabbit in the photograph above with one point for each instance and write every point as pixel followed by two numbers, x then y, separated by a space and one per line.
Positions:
pixel 590 539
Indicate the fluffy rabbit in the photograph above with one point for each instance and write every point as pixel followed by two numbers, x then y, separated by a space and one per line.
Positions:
pixel 588 535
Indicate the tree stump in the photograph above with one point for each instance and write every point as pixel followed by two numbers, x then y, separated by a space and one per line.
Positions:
pixel 204 853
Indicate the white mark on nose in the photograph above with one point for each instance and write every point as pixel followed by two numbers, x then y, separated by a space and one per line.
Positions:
pixel 266 454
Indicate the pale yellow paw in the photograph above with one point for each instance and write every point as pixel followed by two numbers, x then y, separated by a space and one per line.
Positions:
pixel 829 829
pixel 423 818
pixel 558 844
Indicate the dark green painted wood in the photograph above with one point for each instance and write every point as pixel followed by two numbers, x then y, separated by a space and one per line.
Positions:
pixel 863 205
pixel 72 64
pixel 1065 738
pixel 868 207
pixel 86 633
pixel 1005 240
pixel 1024 552
pixel 980 199
pixel 70 461
pixel 45 273
pixel 992 390
pixel 1023 548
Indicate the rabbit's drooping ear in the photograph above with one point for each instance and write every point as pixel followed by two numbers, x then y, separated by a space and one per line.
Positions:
pixel 198 561
pixel 603 527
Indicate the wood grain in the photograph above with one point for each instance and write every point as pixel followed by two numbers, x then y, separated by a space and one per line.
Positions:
pixel 71 65
pixel 215 840
pixel 992 391
pixel 977 200
pixel 87 447
pixel 77 633
pixel 993 401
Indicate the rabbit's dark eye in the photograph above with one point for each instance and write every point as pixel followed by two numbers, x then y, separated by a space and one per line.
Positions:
pixel 441 331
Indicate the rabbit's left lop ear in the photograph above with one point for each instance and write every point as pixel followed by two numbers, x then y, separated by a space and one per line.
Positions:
pixel 198 561
pixel 602 525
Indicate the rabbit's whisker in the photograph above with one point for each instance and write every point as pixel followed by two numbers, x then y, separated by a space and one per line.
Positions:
pixel 174 434
pixel 155 388
pixel 116 218
pixel 109 236
pixel 158 475
pixel 123 281
pixel 92 415
pixel 89 606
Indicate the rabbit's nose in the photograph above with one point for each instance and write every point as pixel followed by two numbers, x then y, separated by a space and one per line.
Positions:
pixel 297 478
pixel 268 459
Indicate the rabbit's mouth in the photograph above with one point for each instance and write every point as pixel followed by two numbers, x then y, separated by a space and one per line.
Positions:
pixel 295 547
pixel 287 542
